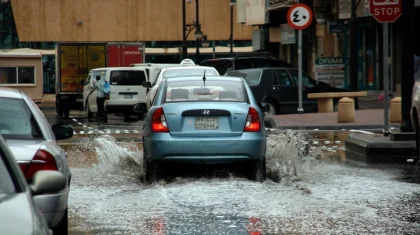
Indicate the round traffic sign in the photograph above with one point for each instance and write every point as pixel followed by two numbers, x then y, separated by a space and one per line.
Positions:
pixel 299 16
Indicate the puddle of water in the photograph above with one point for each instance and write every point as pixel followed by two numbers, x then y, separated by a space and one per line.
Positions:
pixel 319 195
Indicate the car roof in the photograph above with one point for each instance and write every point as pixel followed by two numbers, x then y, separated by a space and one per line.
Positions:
pixel 6 92
pixel 190 67
pixel 117 68
pixel 208 78
pixel 256 69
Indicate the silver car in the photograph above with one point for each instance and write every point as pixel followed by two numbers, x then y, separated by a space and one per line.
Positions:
pixel 33 143
pixel 18 213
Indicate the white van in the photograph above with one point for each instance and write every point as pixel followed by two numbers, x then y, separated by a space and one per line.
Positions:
pixel 127 95
pixel 153 70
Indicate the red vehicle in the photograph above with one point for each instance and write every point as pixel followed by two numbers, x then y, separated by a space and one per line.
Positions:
pixel 125 54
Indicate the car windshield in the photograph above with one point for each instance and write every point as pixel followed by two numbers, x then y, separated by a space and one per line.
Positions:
pixel 127 78
pixel 101 73
pixel 17 121
pixel 6 182
pixel 219 91
pixel 189 72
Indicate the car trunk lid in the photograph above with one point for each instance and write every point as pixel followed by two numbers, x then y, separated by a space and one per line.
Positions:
pixel 206 119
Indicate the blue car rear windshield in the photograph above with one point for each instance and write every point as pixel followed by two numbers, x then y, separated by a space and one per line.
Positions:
pixel 215 91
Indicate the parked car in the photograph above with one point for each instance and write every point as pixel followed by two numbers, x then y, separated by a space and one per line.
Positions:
pixel 224 65
pixel 278 88
pixel 127 96
pixel 188 68
pixel 33 142
pixel 18 212
pixel 204 120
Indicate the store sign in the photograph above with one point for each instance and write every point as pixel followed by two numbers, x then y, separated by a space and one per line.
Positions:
pixel 287 34
pixel 330 70
pixel 336 26
pixel 256 12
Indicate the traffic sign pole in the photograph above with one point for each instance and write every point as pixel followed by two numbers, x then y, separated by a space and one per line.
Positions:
pixel 300 108
pixel 385 12
pixel 299 17
pixel 386 78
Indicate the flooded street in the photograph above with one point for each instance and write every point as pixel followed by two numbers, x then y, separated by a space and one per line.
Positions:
pixel 310 190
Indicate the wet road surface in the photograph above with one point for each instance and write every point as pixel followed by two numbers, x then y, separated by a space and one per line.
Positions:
pixel 310 190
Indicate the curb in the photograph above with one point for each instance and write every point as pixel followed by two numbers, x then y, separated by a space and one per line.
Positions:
pixel 271 123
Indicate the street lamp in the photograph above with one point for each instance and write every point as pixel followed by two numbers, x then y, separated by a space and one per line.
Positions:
pixel 232 3
pixel 204 42
pixel 187 28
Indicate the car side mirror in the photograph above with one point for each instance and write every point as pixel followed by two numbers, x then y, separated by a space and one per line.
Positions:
pixel 47 182
pixel 264 107
pixel 62 131
pixel 146 84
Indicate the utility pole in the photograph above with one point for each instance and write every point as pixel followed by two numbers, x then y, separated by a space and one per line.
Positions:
pixel 353 48
pixel 232 3
pixel 184 36
pixel 198 28
pixel 407 67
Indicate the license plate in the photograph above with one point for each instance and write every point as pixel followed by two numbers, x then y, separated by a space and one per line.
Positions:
pixel 128 97
pixel 206 123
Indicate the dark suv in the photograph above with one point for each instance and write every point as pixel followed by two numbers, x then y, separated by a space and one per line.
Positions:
pixel 224 65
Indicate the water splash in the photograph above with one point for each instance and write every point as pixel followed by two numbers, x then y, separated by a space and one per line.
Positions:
pixel 289 154
pixel 118 157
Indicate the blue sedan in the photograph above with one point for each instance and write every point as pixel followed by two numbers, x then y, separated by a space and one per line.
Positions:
pixel 204 120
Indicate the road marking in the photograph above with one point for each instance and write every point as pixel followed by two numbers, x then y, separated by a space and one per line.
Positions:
pixel 82 132
pixel 84 126
pixel 74 120
pixel 117 132
pixel 80 123
pixel 90 132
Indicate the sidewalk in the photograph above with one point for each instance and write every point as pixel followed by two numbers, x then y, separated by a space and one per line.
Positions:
pixel 365 119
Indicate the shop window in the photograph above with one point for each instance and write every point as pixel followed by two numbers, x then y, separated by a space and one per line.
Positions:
pixel 17 75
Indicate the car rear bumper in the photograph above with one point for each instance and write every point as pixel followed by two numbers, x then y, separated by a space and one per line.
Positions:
pixel 132 108
pixel 163 146
pixel 52 206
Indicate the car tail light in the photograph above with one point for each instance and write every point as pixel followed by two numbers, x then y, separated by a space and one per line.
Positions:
pixel 43 160
pixel 252 123
pixel 159 123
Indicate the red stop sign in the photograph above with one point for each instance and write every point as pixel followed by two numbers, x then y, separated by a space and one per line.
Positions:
pixel 385 11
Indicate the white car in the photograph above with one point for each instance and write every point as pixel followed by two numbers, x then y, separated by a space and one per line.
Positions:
pixel 181 71
pixel 127 95
pixel 33 143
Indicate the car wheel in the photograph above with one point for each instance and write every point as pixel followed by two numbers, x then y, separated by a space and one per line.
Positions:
pixel 62 227
pixel 258 171
pixel 273 110
pixel 153 171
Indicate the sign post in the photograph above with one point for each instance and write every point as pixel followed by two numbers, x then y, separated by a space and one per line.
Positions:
pixel 299 17
pixel 385 12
